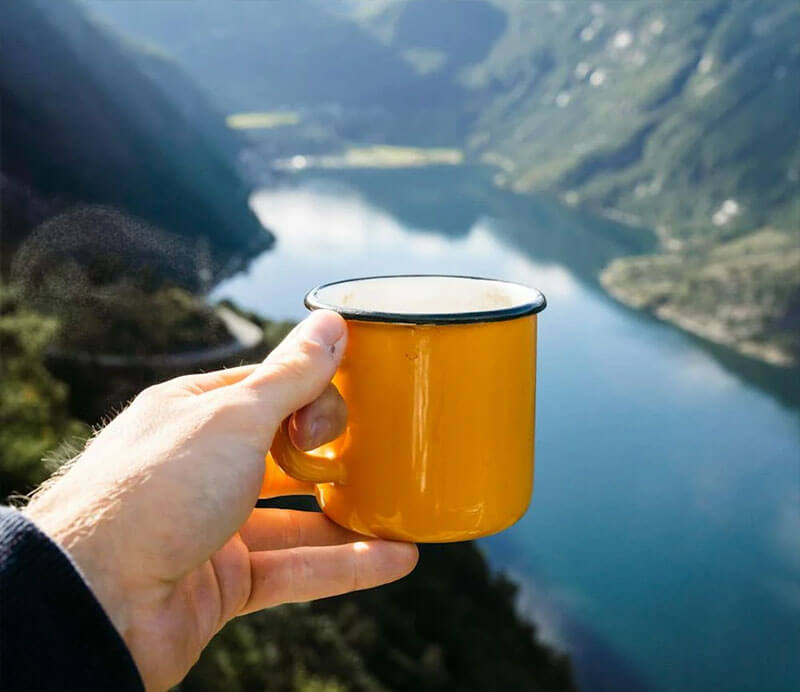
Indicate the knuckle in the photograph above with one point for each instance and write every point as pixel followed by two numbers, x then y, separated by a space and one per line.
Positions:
pixel 292 533
pixel 313 348
pixel 289 368
pixel 243 584
pixel 151 394
pixel 239 409
pixel 286 369
pixel 233 401
pixel 309 351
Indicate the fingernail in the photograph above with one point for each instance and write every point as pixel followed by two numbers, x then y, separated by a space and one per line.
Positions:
pixel 324 327
pixel 319 432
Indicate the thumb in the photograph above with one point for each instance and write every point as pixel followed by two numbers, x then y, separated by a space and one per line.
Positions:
pixel 299 369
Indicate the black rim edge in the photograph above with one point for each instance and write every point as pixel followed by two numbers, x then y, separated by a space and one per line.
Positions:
pixel 530 308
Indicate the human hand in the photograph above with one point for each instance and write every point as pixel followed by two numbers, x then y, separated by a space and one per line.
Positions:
pixel 158 509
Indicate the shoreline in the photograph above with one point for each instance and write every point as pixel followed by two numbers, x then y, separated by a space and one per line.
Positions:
pixel 713 331
pixel 737 294
pixel 703 324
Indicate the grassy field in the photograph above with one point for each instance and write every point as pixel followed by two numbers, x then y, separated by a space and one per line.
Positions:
pixel 266 120
pixel 376 156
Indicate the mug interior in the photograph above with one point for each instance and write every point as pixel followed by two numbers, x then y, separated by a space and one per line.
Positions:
pixel 427 299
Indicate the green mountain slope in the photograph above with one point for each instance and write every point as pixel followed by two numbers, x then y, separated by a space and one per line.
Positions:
pixel 663 111
pixel 660 110
pixel 82 123
pixel 682 118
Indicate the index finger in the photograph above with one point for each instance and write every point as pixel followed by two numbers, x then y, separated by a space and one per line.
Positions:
pixel 305 574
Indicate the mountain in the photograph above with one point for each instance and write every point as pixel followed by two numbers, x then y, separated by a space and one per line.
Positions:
pixel 683 118
pixel 191 102
pixel 263 56
pixel 658 111
pixel 680 119
pixel 663 111
pixel 88 119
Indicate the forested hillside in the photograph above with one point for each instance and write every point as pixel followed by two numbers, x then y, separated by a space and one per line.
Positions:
pixel 89 120
pixel 681 119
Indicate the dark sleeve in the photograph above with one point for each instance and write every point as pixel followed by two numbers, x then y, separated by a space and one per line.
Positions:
pixel 54 634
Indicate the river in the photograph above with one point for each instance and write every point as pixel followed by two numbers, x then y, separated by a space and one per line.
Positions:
pixel 662 545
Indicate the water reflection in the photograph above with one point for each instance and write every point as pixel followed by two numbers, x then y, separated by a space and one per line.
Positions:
pixel 330 234
pixel 451 200
pixel 663 529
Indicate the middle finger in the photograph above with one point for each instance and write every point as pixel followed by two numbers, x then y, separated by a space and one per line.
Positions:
pixel 275 529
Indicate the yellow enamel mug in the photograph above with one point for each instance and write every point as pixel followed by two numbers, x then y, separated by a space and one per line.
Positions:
pixel 439 376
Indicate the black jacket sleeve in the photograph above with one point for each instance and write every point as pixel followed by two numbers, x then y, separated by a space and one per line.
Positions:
pixel 54 635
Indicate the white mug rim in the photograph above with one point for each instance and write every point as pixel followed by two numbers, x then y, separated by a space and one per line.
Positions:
pixel 532 303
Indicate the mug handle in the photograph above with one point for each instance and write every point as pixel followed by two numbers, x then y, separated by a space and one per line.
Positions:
pixel 302 465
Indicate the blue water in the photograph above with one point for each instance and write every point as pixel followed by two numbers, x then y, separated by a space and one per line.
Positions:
pixel 662 546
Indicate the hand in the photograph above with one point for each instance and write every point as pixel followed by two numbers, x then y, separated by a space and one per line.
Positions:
pixel 158 509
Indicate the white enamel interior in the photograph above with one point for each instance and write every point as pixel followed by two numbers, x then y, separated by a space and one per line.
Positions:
pixel 425 295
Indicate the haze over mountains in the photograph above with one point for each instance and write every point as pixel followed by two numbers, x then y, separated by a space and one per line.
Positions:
pixel 664 110
pixel 681 118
